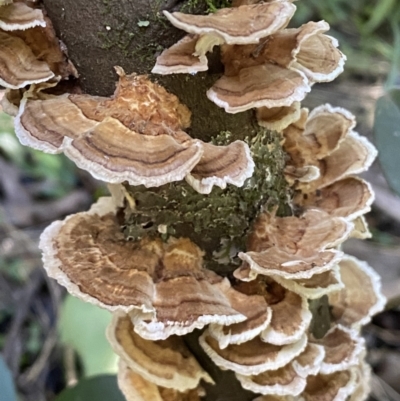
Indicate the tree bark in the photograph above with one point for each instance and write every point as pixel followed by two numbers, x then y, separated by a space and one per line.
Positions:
pixel 100 34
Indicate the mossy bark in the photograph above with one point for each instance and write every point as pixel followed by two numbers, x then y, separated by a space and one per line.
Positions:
pixel 100 34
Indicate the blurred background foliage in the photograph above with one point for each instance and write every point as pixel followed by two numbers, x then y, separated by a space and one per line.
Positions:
pixel 50 341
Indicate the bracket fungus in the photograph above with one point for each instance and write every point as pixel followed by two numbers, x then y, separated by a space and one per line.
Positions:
pixel 293 247
pixel 361 298
pixel 282 256
pixel 30 52
pixel 164 285
pixel 134 136
pixel 343 348
pixel 167 363
pixel 20 67
pixel 237 25
pixel 136 388
pixel 266 66
pixel 289 380
pixel 252 357
pixel 19 16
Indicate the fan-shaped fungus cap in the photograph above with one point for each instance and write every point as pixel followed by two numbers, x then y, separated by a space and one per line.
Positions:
pixel 316 286
pixel 361 297
pixel 301 174
pixel 288 380
pixel 180 58
pixel 134 136
pixel 252 357
pixel 19 16
pixel 313 230
pixel 306 49
pixel 258 75
pixel 278 118
pixel 361 229
pixel 221 165
pixel 265 85
pixel 237 25
pixel 88 254
pixel 10 101
pixel 363 378
pixel 317 135
pixel 333 387
pixel 354 156
pixel 293 248
pixel 136 388
pixel 350 198
pixel 167 363
pixel 290 317
pixel 258 315
pixel 343 348
pixel 19 65
pixel 281 382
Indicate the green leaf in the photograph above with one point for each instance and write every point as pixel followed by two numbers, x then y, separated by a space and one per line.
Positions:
pixel 98 388
pixel 387 136
pixel 82 326
pixel 382 11
pixel 7 389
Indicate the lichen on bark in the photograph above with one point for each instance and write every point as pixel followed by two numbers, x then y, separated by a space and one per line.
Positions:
pixel 218 222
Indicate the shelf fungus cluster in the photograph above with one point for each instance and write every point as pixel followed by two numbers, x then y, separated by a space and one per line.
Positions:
pixel 285 316
pixel 30 53
pixel 267 66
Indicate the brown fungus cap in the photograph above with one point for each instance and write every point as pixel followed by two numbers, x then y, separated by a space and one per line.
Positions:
pixel 265 85
pixel 11 100
pixel 252 357
pixel 237 25
pixel 301 174
pixel 361 297
pixel 134 136
pixel 333 387
pixel 221 165
pixel 290 317
pixel 19 67
pixel 278 118
pixel 258 315
pixel 362 389
pixel 354 156
pixel 343 348
pixel 316 286
pixel 288 380
pixel 47 47
pixel 316 135
pixel 19 16
pixel 281 382
pixel 167 363
pixel 277 72
pixel 305 49
pixel 166 282
pixel 303 235
pixel 136 388
pixel 350 198
pixel 361 229
pixel 293 248
pixel 180 58
pixel 275 262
